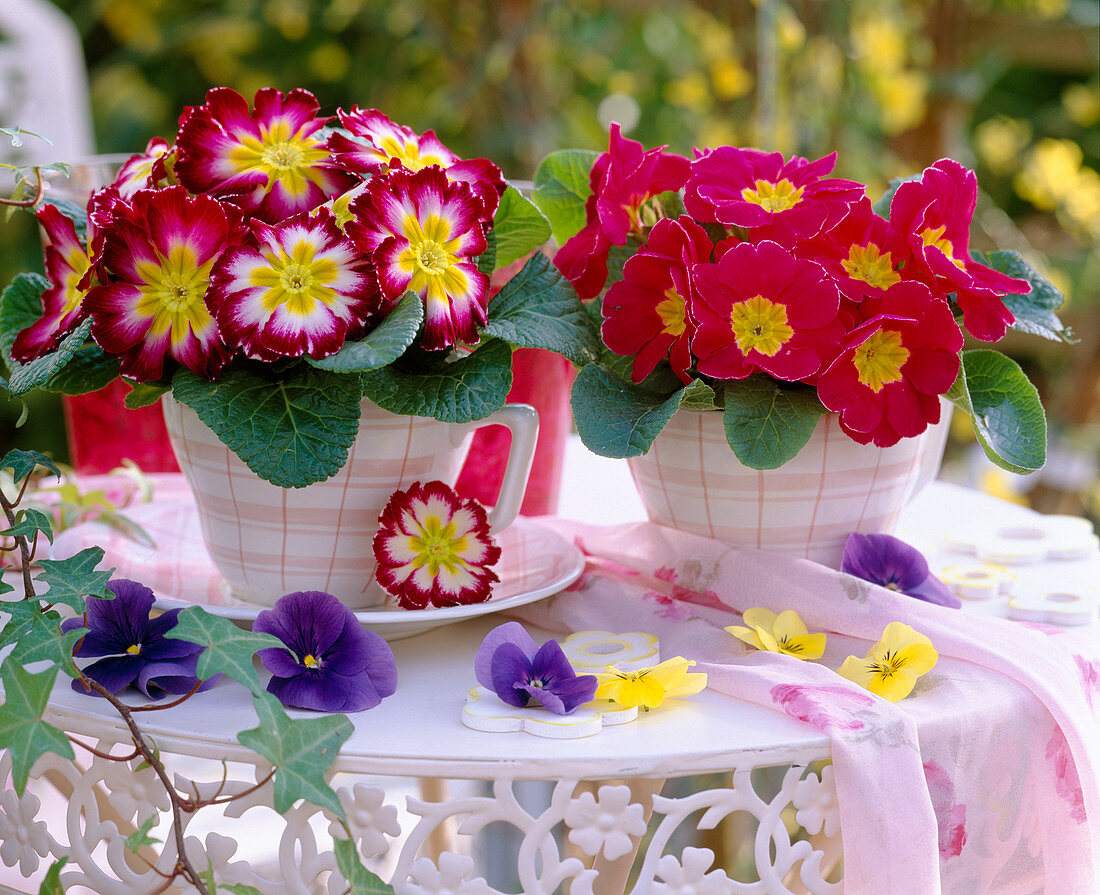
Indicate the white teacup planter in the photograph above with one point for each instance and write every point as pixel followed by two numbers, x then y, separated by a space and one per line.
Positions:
pixel 691 480
pixel 268 541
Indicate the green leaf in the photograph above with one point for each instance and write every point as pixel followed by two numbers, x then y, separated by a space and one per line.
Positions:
pixel 28 522
pixel 539 308
pixel 1008 417
pixel 767 425
pixel 144 394
pixel 290 430
pixel 89 370
pixel 38 636
pixel 382 345
pixel 22 730
pixel 51 882
pixel 140 838
pixel 20 306
pixel 487 260
pixel 76 214
pixel 698 396
pixel 519 226
pixel 301 751
pixel 23 463
pixel 617 256
pixel 229 649
pixel 454 391
pixel 240 889
pixel 616 418
pixel 561 189
pixel 882 205
pixel 361 880
pixel 1034 312
pixel 42 369
pixel 72 579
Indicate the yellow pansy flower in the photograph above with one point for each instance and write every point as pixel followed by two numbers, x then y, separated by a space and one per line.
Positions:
pixel 649 687
pixel 784 633
pixel 891 667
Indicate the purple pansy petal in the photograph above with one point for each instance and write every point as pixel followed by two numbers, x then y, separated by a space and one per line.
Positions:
pixel 312 690
pixel 155 679
pixel 114 673
pixel 547 698
pixel 891 563
pixel 932 590
pixel 576 691
pixel 309 622
pixel 381 666
pixel 363 693
pixel 509 632
pixel 279 661
pixel 511 672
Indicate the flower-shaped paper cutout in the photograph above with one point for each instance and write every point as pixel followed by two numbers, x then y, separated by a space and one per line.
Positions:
pixel 977 582
pixel 483 711
pixel 607 822
pixel 783 633
pixel 433 546
pixel 891 667
pixel 594 651
pixel 648 688
pixel 330 663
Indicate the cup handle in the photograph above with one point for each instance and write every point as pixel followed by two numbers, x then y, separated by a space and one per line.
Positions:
pixel 522 420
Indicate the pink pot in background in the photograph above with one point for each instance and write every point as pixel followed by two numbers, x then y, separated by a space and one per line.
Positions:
pixel 102 432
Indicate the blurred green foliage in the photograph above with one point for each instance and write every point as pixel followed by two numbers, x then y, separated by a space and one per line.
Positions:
pixel 1007 86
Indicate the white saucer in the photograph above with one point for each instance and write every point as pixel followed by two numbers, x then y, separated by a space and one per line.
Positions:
pixel 534 563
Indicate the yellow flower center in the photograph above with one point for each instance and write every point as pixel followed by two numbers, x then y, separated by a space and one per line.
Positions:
pixel 173 294
pixel 310 661
pixel 866 263
pixel 133 649
pixel 298 281
pixel 282 156
pixel 773 196
pixel 408 154
pixel 438 547
pixel 78 263
pixel 935 238
pixel 879 360
pixel 760 325
pixel 672 311
pixel 431 259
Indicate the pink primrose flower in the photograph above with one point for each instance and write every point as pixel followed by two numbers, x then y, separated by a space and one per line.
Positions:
pixel 895 364
pixel 934 215
pixel 761 308
pixel 748 188
pixel 434 547
pixel 645 313
pixel 159 252
pixel 424 233
pixel 146 170
pixel 378 144
pixel 298 288
pixel 267 161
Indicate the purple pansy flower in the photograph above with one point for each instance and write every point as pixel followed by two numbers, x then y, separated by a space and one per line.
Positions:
pixel 514 667
pixel 331 664
pixel 133 645
pixel 893 564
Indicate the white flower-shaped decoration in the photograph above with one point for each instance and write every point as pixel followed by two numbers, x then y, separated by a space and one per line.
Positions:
pixel 22 838
pixel 450 877
pixel 605 822
pixel 815 803
pixel 134 791
pixel 981 582
pixel 1037 539
pixel 369 818
pixel 593 651
pixel 484 711
pixel 687 875
pixel 1068 608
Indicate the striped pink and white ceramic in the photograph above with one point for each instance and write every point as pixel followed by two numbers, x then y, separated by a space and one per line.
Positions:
pixel 267 541
pixel 690 480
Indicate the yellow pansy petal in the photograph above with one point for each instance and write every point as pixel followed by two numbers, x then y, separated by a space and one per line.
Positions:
pixel 896 636
pixel 859 671
pixel 769 643
pixel 893 687
pixel 918 658
pixel 748 635
pixel 758 617
pixel 809 646
pixel 686 685
pixel 788 626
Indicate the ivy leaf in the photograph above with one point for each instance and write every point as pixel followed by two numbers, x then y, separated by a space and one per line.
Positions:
pixel 454 391
pixel 1008 417
pixel 519 226
pixel 539 308
pixel 140 838
pixel 382 345
pixel 40 370
pixel 20 306
pixel 1034 311
pixel 71 580
pixel 301 751
pixel 291 430
pixel 51 882
pixel 229 649
pixel 144 394
pixel 616 418
pixel 561 190
pixel 361 880
pixel 28 522
pixel 22 730
pixel 767 425
pixel 240 889
pixel 38 636
pixel 23 463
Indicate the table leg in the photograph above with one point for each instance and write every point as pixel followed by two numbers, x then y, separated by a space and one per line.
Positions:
pixel 442 838
pixel 614 874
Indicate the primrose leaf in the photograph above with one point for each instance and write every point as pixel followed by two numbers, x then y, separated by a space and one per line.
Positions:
pixel 561 190
pixel 767 425
pixel 382 345
pixel 616 418
pixel 519 226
